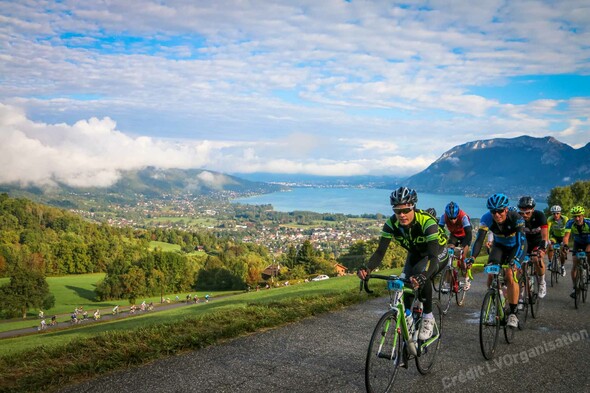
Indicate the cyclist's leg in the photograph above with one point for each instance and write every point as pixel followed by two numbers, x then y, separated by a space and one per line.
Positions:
pixel 550 251
pixel 495 258
pixel 407 272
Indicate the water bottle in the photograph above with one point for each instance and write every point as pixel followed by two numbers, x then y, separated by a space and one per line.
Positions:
pixel 503 290
pixel 410 321
pixel 411 341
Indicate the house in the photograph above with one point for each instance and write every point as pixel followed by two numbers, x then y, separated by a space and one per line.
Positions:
pixel 271 271
pixel 340 269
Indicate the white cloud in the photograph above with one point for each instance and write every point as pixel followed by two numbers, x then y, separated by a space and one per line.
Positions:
pixel 333 86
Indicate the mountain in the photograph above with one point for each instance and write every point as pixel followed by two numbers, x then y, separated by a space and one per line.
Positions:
pixel 149 182
pixel 515 166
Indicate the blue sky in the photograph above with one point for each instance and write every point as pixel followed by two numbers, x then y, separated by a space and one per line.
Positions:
pixel 90 88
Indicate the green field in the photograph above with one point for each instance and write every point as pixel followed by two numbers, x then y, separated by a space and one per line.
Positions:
pixel 59 337
pixel 78 291
pixel 166 247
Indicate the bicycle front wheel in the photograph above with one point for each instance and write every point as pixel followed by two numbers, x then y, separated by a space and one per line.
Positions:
pixel 534 295
pixel 436 282
pixel 578 289
pixel 445 288
pixel 584 283
pixel 384 355
pixel 427 349
pixel 489 324
pixel 555 269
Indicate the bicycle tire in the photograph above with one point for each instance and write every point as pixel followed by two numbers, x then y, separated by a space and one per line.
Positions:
pixel 534 298
pixel 509 331
pixel 383 355
pixel 523 314
pixel 445 289
pixel 578 287
pixel 489 324
pixel 436 282
pixel 555 269
pixel 584 285
pixel 428 349
pixel 460 296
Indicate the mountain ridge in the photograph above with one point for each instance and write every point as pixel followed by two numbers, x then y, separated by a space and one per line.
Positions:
pixel 514 166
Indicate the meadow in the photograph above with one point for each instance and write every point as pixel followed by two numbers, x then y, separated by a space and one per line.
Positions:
pixel 33 362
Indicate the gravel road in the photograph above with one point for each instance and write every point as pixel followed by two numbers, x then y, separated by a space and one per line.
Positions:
pixel 327 354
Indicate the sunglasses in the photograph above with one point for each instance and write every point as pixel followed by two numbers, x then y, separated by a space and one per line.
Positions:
pixel 404 210
pixel 497 211
pixel 525 212
pixel 556 214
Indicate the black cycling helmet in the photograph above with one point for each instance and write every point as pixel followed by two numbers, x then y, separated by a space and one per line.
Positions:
pixel 452 210
pixel 497 201
pixel 403 196
pixel 526 202
pixel 431 211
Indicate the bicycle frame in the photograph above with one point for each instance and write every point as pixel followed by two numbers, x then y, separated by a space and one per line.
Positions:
pixel 396 287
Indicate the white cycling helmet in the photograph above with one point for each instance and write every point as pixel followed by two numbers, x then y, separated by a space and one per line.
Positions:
pixel 556 209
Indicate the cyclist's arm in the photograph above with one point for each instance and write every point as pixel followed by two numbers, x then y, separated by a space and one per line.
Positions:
pixel 468 235
pixel 433 249
pixel 379 254
pixel 441 221
pixel 479 240
pixel 518 251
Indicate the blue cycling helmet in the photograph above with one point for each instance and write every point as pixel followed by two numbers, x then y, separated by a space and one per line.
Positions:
pixel 452 210
pixel 512 209
pixel 497 201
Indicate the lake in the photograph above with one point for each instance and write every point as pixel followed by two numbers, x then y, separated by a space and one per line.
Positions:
pixel 359 201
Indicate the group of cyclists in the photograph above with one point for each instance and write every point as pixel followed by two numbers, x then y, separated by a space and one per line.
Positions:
pixel 517 232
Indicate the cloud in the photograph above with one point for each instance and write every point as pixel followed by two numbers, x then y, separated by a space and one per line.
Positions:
pixel 324 87
pixel 93 153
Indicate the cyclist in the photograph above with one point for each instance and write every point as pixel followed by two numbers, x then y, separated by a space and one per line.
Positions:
pixel 556 230
pixel 509 245
pixel 580 227
pixel 460 229
pixel 537 237
pixel 416 231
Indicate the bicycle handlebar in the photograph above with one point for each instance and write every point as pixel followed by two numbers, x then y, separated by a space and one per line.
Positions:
pixel 364 284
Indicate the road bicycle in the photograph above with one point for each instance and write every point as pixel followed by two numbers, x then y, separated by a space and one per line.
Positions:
pixel 555 263
pixel 450 284
pixel 394 343
pixel 494 314
pixel 582 277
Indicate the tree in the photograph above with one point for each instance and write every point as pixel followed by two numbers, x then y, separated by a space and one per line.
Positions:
pixel 27 289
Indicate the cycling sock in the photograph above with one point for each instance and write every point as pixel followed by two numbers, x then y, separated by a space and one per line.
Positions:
pixel 429 316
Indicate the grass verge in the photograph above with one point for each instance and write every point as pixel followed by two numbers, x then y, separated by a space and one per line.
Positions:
pixel 46 368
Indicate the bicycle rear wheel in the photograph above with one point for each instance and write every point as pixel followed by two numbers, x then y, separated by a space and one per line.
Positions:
pixel 445 289
pixel 489 324
pixel 384 354
pixel 428 349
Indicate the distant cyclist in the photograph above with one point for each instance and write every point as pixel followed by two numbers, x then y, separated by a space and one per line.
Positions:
pixel 580 228
pixel 416 231
pixel 537 237
pixel 460 229
pixel 556 224
pixel 509 245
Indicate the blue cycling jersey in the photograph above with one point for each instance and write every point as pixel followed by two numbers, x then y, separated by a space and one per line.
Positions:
pixel 581 233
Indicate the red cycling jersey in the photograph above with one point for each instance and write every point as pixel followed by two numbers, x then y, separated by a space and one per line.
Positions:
pixel 456 228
